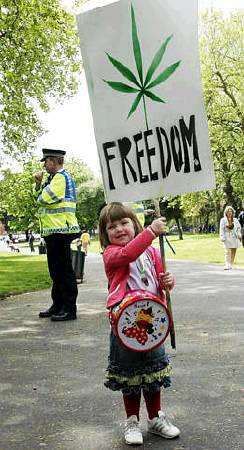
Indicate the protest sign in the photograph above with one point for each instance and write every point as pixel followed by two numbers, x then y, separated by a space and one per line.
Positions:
pixel 142 68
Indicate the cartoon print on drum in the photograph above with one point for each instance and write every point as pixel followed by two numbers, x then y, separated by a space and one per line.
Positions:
pixel 141 327
pixel 140 321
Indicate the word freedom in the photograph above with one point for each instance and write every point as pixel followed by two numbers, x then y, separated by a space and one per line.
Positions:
pixel 173 148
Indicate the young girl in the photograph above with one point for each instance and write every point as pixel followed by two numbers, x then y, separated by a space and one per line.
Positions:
pixel 124 241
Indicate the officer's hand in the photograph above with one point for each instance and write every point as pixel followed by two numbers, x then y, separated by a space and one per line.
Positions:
pixel 38 178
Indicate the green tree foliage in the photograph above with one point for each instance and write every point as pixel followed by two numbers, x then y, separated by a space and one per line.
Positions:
pixel 90 199
pixel 202 207
pixel 222 69
pixel 90 193
pixel 17 205
pixel 39 59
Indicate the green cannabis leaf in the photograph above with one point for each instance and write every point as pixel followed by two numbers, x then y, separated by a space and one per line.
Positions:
pixel 142 88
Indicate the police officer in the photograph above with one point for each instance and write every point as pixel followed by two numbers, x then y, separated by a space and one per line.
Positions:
pixel 56 198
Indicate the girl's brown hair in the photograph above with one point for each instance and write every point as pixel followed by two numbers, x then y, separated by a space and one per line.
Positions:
pixel 115 211
pixel 233 213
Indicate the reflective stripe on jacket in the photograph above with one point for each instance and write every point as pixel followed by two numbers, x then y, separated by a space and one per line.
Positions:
pixel 57 204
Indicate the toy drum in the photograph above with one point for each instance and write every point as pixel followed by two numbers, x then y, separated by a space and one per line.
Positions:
pixel 140 321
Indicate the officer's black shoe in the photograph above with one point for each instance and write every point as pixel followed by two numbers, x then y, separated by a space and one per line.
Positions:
pixel 49 312
pixel 61 316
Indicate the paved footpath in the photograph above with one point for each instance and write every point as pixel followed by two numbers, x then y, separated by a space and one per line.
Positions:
pixel 51 374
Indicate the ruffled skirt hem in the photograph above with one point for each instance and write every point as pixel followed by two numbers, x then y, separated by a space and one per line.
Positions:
pixel 150 382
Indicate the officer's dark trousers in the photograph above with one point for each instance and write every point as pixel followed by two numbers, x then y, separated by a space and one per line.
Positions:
pixel 64 289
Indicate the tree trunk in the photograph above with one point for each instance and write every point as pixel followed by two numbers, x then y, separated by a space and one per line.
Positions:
pixel 229 196
pixel 4 220
pixel 179 228
pixel 218 215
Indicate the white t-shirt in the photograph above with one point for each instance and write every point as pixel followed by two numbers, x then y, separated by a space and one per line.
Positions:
pixel 143 274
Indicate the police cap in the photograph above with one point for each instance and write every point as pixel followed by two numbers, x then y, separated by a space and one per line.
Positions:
pixel 51 152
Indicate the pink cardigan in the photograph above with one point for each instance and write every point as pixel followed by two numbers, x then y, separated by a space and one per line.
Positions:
pixel 116 261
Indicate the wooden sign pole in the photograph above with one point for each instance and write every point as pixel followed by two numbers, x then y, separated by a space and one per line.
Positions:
pixel 168 299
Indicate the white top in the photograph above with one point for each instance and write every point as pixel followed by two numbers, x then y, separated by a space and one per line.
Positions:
pixel 230 238
pixel 143 274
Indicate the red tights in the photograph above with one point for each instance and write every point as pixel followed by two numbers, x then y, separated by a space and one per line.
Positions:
pixel 132 404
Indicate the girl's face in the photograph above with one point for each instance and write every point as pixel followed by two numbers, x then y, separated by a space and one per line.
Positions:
pixel 120 232
pixel 229 213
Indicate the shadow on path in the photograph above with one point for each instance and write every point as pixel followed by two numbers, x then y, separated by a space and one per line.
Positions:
pixel 51 389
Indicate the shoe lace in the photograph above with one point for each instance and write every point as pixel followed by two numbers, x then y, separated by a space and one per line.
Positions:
pixel 132 427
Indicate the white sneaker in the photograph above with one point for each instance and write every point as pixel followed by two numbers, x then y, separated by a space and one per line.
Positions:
pixel 162 426
pixel 133 434
pixel 227 267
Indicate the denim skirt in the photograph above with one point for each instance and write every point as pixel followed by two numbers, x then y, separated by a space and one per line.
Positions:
pixel 130 371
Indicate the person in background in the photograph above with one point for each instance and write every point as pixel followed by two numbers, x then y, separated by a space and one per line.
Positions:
pixel 241 220
pixel 230 235
pixel 31 242
pixel 56 198
pixel 42 246
pixel 132 263
pixel 7 240
pixel 85 240
pixel 76 244
pixel 78 259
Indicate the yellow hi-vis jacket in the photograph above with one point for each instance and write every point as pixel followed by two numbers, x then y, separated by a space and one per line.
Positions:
pixel 57 204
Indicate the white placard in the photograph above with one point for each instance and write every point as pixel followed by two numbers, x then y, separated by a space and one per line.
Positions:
pixel 142 68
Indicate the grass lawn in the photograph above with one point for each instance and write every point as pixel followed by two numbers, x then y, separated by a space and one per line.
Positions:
pixel 23 273
pixel 202 248
pixel 195 247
